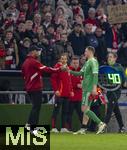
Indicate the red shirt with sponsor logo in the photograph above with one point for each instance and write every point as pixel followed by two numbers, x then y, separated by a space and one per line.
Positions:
pixel 61 82
pixel 32 71
pixel 75 81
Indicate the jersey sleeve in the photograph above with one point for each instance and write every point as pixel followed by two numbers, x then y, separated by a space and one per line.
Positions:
pixel 95 69
pixel 44 68
pixel 78 73
pixel 94 66
pixel 49 69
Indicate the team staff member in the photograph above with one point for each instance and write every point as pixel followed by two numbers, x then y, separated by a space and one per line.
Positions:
pixel 62 87
pixel 75 101
pixel 32 71
pixel 115 95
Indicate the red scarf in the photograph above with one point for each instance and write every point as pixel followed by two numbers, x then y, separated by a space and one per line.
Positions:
pixel 115 40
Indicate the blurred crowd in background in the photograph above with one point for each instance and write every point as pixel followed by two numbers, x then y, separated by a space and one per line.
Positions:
pixel 58 26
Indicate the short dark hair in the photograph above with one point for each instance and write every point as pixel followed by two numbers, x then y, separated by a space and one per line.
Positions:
pixel 113 53
pixel 90 48
pixel 8 31
pixel 75 57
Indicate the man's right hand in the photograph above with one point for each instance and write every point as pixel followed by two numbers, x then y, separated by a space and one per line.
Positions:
pixel 57 93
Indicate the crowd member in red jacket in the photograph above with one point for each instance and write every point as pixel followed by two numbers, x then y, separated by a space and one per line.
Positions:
pixel 75 101
pixel 62 87
pixel 32 71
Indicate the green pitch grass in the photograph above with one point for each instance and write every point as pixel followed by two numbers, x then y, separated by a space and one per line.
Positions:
pixel 69 141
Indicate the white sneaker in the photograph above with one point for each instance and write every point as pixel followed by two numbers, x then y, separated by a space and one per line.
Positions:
pixel 101 128
pixel 64 130
pixel 81 131
pixel 55 130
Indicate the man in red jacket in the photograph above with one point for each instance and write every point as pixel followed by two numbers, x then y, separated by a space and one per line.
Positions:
pixel 75 101
pixel 62 87
pixel 32 71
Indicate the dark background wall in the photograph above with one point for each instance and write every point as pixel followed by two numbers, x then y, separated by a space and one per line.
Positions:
pixel 16 80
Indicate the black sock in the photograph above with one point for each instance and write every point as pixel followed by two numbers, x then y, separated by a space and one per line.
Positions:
pixel 84 126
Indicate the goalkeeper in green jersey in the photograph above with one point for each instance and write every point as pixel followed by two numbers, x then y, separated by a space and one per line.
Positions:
pixel 89 86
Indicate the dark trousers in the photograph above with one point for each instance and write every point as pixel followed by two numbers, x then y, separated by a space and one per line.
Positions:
pixel 36 100
pixel 113 107
pixel 77 107
pixel 60 102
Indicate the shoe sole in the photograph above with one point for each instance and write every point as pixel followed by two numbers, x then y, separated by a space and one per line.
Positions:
pixel 79 133
pixel 54 131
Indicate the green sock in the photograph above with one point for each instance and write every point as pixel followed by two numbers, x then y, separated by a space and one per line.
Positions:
pixel 93 116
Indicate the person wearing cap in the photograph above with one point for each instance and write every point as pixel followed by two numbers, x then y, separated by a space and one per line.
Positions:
pixel 32 71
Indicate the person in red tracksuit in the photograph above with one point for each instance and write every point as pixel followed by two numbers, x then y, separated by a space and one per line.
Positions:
pixel 62 87
pixel 75 101
pixel 32 71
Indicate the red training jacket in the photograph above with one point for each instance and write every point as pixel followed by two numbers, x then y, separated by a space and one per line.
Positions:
pixel 75 81
pixel 32 71
pixel 61 82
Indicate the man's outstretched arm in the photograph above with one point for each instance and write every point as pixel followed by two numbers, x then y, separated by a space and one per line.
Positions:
pixel 76 73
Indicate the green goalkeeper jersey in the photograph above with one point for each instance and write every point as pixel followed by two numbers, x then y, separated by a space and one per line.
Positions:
pixel 90 74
